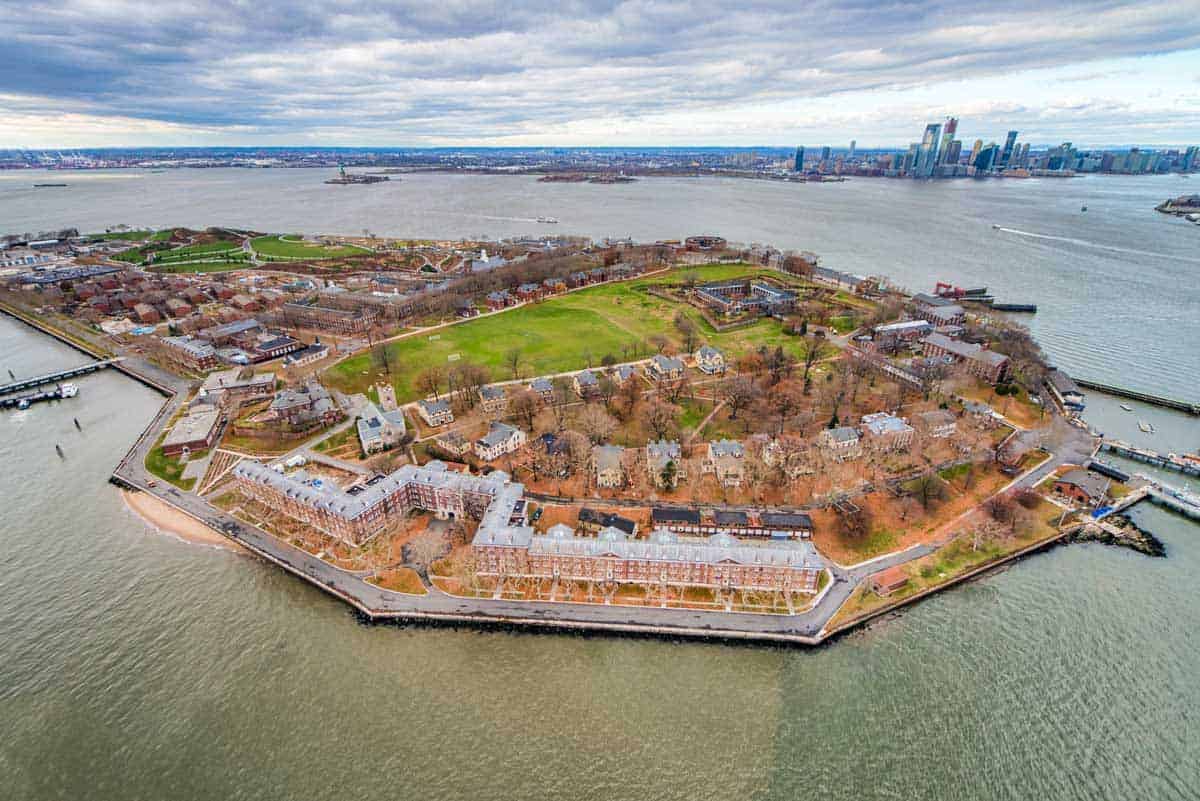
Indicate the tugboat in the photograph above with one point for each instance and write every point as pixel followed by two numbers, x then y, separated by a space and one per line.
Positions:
pixel 550 220
pixel 1145 427
pixel 1083 207
pixel 1127 407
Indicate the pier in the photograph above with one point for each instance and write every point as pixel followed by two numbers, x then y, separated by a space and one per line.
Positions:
pixel 25 401
pixel 1177 500
pixel 1145 397
pixel 1147 456
pixel 54 378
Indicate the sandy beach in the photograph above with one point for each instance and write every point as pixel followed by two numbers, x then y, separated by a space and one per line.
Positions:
pixel 170 520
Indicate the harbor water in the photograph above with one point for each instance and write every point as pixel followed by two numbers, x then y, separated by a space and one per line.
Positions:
pixel 137 666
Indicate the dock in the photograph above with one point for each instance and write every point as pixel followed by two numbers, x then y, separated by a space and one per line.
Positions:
pixel 25 401
pixel 1160 494
pixel 54 378
pixel 1147 456
pixel 1144 397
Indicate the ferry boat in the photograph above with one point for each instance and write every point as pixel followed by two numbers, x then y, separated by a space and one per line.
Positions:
pixel 1145 427
pixel 1127 407
pixel 550 220
pixel 68 391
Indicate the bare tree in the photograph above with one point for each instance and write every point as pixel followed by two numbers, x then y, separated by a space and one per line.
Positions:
pixel 688 331
pixel 512 358
pixel 784 402
pixel 524 407
pixel 812 352
pixel 597 423
pixel 430 381
pixel 660 418
pixel 738 394
pixel 929 490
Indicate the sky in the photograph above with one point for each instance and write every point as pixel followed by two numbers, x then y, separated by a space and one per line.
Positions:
pixel 97 73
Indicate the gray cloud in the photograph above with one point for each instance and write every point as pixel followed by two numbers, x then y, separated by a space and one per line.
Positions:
pixel 417 71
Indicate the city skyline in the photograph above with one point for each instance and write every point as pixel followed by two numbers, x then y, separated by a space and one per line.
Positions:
pixel 129 74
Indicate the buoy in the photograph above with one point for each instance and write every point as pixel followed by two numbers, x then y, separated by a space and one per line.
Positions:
pixel 76 419
pixel 10 375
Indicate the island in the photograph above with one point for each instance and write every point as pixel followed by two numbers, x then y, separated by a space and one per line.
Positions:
pixel 682 438
pixel 1186 206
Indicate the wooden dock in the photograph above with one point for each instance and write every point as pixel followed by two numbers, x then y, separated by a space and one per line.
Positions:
pixel 1144 397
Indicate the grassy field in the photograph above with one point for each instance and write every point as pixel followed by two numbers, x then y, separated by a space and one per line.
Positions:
pixel 169 468
pixel 292 247
pixel 200 266
pixel 563 333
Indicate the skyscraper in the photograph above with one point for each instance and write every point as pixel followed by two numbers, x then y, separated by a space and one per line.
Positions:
pixel 975 151
pixel 947 138
pixel 928 152
pixel 987 157
pixel 799 164
pixel 1191 158
pixel 825 153
pixel 853 145
pixel 1006 154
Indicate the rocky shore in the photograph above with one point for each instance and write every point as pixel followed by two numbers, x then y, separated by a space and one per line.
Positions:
pixel 1121 531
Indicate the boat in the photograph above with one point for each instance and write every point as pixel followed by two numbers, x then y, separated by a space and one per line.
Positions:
pixel 23 403
pixel 1127 407
pixel 68 391
pixel 1083 208
pixel 550 220
pixel 995 227
pixel 1145 427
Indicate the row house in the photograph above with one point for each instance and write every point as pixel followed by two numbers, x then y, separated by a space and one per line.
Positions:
pixel 529 292
pixel 554 285
pixel 609 467
pixel 594 521
pixel 586 384
pixel 543 388
pixel 192 354
pixel 500 300
pixel 492 399
pixel 661 454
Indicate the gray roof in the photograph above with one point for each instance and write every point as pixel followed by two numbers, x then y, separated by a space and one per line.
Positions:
pixel 541 385
pixel 666 546
pixel 193 426
pixel 586 378
pixel 882 423
pixel 608 457
pixel 708 352
pixel 726 447
pixel 1091 483
pixel 667 364
pixel 491 392
pixel 842 434
pixel 434 406
pixel 663 451
pixel 498 434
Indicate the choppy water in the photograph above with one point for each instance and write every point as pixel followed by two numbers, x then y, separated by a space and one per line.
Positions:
pixel 135 666
pixel 1117 286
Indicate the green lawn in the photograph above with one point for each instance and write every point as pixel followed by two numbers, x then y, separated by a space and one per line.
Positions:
pixel 200 266
pixel 169 468
pixel 203 249
pixel 561 334
pixel 292 247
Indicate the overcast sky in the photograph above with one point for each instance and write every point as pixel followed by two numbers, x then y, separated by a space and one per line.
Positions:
pixel 584 72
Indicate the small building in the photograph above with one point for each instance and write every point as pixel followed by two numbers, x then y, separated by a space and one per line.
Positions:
pixel 543 388
pixel 194 354
pixel 886 432
pixel 622 373
pixel 886 582
pixel 608 463
pixel 710 360
pixel 951 314
pixel 501 439
pixel 682 521
pixel 499 300
pixel 659 455
pixel 937 424
pixel 1082 486
pixel 841 443
pixel 725 459
pixel 309 355
pixel 379 430
pixel 1065 390
pixel 435 412
pixel 593 520
pixel 307 405
pixel 661 368
pixel 796 524
pixel 528 292
pixel 892 334
pixel 238 384
pixel 195 431
pixel 145 313
pixel 492 399
pixel 586 384
pixel 452 443
pixel 982 362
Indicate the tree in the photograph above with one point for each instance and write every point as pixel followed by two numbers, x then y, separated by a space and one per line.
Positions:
pixel 669 475
pixel 607 387
pixel 812 352
pixel 783 401
pixel 524 406
pixel 430 381
pixel 379 358
pixel 576 451
pixel 929 489
pixel 562 396
pixel 597 423
pixel 738 394
pixel 688 331
pixel 660 418
pixel 853 521
pixel 658 341
pixel 512 358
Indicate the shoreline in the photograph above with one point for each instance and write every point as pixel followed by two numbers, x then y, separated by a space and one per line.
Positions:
pixel 166 519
